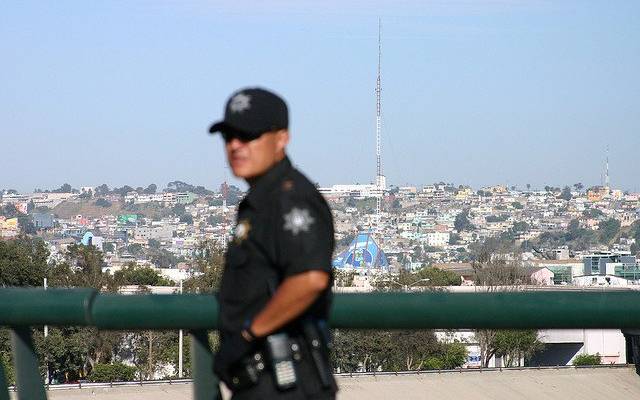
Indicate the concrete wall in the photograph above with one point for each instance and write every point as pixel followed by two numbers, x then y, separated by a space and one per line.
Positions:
pixel 526 384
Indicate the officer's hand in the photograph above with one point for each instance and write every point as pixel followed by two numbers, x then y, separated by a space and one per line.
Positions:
pixel 235 347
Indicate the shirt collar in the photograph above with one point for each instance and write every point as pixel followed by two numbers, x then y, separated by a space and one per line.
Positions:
pixel 264 184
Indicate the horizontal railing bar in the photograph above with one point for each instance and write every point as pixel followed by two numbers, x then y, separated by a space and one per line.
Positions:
pixel 36 306
pixel 155 311
pixel 379 310
pixel 503 310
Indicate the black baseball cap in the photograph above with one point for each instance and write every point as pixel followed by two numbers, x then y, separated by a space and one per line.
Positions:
pixel 250 112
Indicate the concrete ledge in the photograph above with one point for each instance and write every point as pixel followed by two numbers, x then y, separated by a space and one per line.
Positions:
pixel 611 383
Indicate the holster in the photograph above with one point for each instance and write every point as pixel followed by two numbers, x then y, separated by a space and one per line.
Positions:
pixel 245 373
pixel 317 340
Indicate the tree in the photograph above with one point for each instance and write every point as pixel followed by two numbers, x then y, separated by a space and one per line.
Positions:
pixel 123 190
pixel 462 223
pixel 516 345
pixel 497 218
pixel 566 194
pixel 151 189
pixel 592 213
pixel 607 230
pixel 102 190
pixel 372 350
pixel 208 262
pixel 520 226
pixel 178 210
pixel 82 267
pixel 136 249
pixel 133 274
pixel 186 219
pixel 26 225
pixel 498 274
pixel 9 211
pixel 154 244
pixel 163 258
pixel 23 262
pixel 578 186
pixel 102 203
pixel 66 188
pixel 451 356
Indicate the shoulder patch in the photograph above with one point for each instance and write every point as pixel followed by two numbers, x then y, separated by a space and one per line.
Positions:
pixel 298 220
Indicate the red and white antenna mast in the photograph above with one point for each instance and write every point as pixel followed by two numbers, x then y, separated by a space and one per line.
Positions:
pixel 225 194
pixel 380 179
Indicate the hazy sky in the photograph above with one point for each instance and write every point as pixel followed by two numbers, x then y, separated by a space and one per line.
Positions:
pixel 474 92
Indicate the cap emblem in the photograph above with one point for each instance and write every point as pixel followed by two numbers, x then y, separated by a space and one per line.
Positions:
pixel 240 103
pixel 298 220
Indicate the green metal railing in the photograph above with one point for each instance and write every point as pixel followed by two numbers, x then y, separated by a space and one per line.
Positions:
pixel 22 308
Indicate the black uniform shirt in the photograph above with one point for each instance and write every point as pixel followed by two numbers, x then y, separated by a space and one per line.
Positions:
pixel 284 227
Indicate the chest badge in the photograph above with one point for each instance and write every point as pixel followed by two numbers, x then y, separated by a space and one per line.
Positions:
pixel 298 220
pixel 242 230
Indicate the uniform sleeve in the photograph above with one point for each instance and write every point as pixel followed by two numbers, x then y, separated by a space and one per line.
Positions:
pixel 304 235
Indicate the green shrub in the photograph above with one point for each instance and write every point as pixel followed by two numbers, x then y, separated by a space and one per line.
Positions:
pixel 433 363
pixel 451 356
pixel 112 373
pixel 5 363
pixel 587 359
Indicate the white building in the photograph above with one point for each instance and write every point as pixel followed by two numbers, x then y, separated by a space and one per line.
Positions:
pixel 362 191
pixel 437 239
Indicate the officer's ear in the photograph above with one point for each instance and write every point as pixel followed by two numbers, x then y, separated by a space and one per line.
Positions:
pixel 282 139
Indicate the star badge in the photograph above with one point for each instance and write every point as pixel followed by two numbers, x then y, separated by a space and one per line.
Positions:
pixel 240 102
pixel 242 231
pixel 298 220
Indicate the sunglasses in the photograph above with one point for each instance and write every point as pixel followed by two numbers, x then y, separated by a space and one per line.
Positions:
pixel 244 137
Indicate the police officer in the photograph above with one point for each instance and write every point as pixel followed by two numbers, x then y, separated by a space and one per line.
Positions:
pixel 275 292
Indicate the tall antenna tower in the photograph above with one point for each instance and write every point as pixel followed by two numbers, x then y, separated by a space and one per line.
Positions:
pixel 225 194
pixel 606 171
pixel 380 179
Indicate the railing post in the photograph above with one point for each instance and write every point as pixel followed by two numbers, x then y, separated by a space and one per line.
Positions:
pixel 28 380
pixel 205 382
pixel 4 386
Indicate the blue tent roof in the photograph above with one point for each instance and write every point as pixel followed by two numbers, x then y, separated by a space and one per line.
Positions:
pixel 362 253
pixel 87 238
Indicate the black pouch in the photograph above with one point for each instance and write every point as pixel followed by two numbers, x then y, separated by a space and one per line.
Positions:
pixel 245 373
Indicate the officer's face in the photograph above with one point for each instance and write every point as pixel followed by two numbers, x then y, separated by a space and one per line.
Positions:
pixel 250 159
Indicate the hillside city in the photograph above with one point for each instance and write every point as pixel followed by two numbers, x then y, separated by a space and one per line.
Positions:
pixel 553 232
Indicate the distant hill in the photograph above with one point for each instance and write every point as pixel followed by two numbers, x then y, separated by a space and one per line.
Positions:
pixel 87 208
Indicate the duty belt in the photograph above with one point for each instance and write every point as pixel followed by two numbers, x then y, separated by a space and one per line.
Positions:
pixel 278 356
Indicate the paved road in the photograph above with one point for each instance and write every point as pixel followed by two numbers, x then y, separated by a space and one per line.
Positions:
pixel 560 384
